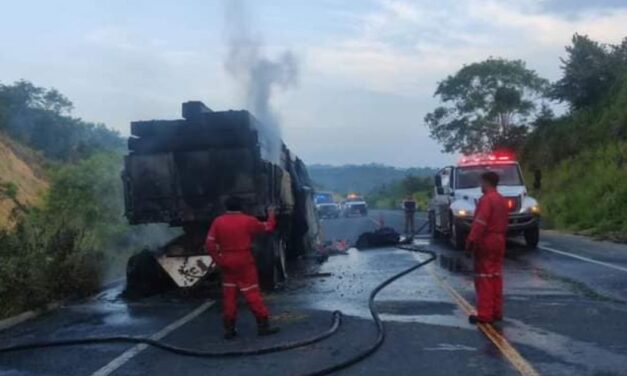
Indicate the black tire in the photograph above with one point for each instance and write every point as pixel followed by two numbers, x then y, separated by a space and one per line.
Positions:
pixel 145 277
pixel 271 263
pixel 532 237
pixel 458 235
pixel 435 234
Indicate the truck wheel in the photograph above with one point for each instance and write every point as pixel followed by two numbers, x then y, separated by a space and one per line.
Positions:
pixel 435 234
pixel 145 277
pixel 271 264
pixel 458 236
pixel 532 237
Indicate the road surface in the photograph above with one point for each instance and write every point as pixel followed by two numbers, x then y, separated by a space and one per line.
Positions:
pixel 566 314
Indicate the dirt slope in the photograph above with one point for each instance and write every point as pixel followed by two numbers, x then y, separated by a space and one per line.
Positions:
pixel 24 168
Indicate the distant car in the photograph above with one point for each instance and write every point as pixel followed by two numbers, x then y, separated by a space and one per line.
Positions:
pixel 326 205
pixel 354 205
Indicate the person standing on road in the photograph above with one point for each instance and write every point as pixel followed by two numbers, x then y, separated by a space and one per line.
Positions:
pixel 229 243
pixel 487 242
pixel 409 206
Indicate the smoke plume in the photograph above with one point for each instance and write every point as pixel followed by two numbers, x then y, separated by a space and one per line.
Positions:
pixel 257 75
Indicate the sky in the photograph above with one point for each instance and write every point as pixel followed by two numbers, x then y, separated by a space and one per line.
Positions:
pixel 365 75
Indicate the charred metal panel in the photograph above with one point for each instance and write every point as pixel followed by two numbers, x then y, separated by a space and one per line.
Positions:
pixel 180 172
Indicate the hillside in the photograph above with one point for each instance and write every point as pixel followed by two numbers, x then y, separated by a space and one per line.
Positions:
pixel 22 169
pixel 361 178
pixel 583 159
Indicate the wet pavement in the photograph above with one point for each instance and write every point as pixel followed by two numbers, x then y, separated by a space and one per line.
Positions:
pixel 566 314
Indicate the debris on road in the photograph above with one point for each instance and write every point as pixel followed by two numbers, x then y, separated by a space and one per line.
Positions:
pixel 382 237
pixel 333 247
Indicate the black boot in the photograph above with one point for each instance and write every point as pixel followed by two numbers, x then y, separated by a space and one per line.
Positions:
pixel 264 328
pixel 229 329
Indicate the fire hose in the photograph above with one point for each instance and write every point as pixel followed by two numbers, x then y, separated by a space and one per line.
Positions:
pixel 337 318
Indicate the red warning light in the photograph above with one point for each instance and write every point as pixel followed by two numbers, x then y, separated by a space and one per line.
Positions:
pixel 483 159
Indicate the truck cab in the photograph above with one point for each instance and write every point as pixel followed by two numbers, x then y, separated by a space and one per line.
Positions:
pixel 457 191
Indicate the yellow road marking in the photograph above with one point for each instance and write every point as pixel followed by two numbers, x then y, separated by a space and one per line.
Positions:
pixel 506 348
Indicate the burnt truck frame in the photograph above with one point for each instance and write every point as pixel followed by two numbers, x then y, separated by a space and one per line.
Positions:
pixel 180 172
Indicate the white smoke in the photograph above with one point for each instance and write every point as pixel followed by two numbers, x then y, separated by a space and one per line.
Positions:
pixel 258 75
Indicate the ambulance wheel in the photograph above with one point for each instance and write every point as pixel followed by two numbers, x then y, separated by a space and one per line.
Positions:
pixel 532 237
pixel 435 234
pixel 458 236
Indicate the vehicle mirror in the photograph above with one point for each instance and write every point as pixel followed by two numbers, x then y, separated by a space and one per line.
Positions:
pixel 438 182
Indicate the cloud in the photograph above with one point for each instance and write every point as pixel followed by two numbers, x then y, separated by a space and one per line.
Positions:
pixel 403 46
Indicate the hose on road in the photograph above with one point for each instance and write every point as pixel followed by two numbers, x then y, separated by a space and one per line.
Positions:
pixel 335 325
pixel 380 327
pixel 337 319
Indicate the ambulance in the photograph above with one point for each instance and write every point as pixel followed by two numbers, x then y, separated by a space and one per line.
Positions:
pixel 458 190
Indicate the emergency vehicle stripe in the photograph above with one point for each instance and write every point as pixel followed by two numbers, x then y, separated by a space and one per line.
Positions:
pixel 211 238
pixel 229 285
pixel 244 289
pixel 480 221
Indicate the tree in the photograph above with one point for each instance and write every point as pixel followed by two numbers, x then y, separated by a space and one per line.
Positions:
pixel 40 118
pixel 487 105
pixel 24 95
pixel 412 184
pixel 589 71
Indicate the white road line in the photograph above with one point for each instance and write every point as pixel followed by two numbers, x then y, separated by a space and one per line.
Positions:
pixel 582 258
pixel 129 354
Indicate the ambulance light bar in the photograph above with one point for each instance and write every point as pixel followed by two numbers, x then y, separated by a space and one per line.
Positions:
pixel 495 158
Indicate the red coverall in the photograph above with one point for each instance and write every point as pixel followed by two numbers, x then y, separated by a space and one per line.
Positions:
pixel 229 243
pixel 487 241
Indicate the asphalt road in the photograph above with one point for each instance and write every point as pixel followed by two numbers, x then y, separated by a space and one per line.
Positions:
pixel 566 314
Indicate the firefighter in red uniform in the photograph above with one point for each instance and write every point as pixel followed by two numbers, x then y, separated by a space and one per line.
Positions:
pixel 229 243
pixel 487 242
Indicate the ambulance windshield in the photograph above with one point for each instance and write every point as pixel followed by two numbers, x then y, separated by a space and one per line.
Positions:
pixel 470 176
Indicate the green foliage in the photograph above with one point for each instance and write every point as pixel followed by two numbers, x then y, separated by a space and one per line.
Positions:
pixel 488 105
pixel 360 178
pixel 587 193
pixel 74 241
pixel 39 118
pixel 78 236
pixel 57 250
pixel 566 137
pixel 589 71
pixel 583 154
pixel 8 190
pixel 390 196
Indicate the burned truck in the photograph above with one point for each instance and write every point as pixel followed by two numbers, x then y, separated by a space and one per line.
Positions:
pixel 180 172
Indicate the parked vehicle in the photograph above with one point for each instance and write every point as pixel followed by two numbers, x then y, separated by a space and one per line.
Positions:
pixel 326 205
pixel 354 205
pixel 180 172
pixel 457 191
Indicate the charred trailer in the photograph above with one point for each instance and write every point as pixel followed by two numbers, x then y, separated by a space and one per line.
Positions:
pixel 180 172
